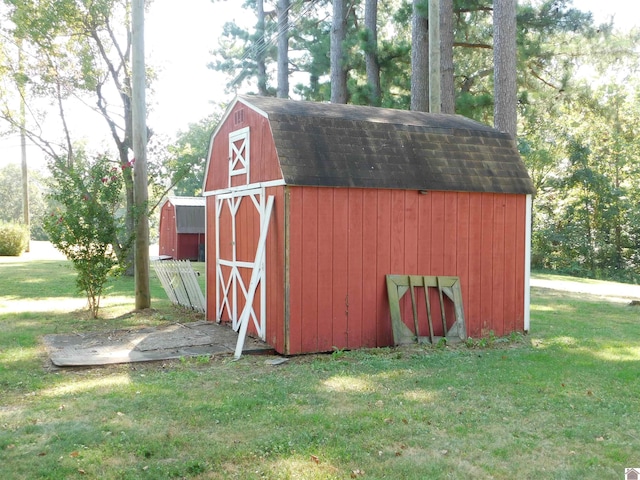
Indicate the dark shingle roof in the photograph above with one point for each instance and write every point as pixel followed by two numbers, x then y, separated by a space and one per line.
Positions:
pixel 354 146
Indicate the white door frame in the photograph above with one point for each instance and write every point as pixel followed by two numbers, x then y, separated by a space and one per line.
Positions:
pixel 228 289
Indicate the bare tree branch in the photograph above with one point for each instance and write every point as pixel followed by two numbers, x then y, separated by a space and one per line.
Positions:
pixel 473 45
pixel 545 82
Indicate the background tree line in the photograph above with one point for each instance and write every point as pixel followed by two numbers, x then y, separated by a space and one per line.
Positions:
pixel 575 95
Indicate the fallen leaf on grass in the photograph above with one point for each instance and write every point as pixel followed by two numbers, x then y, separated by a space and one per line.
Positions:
pixel 315 459
pixel 42 454
pixel 599 439
pixel 74 454
pixel 357 472
pixel 81 471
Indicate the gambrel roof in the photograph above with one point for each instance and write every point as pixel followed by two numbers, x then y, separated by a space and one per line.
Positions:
pixel 333 145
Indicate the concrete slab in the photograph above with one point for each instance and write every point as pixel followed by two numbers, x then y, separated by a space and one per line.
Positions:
pixel 147 344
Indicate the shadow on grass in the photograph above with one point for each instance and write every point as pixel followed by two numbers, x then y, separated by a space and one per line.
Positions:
pixel 327 416
pixel 53 278
pixel 578 319
pixel 37 279
pixel 558 404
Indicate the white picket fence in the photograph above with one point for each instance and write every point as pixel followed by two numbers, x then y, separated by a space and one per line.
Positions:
pixel 180 281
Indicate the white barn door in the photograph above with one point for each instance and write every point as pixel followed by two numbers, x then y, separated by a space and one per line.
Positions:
pixel 237 215
pixel 239 218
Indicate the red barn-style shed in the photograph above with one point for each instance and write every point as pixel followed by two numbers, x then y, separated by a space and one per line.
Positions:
pixel 182 227
pixel 359 193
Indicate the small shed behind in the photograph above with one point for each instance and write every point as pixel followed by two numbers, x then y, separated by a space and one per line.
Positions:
pixel 358 193
pixel 182 228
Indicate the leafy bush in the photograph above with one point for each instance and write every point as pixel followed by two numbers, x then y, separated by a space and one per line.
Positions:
pixel 14 238
pixel 86 226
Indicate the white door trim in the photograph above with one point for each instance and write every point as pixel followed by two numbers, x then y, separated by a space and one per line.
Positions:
pixel 231 285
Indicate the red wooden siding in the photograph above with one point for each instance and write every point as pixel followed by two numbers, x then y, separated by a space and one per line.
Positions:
pixel 342 243
pixel 168 236
pixel 293 296
pixel 188 244
pixel 370 284
pixel 275 334
pixel 180 246
pixel 263 158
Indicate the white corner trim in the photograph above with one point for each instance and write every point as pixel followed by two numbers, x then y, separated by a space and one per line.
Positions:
pixel 527 264
pixel 247 102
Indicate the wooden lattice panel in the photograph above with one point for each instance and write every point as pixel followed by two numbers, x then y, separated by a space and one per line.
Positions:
pixel 399 285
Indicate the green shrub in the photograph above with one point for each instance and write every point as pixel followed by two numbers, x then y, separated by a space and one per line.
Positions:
pixel 14 238
pixel 85 225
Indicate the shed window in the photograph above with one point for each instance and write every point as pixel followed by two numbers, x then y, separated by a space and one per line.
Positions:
pixel 239 156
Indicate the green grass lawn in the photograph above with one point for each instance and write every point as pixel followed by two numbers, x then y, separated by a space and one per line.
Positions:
pixel 561 402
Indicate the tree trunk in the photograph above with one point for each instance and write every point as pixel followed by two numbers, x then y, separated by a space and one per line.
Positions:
pixel 371 51
pixel 419 57
pixel 504 60
pixel 435 102
pixel 338 37
pixel 261 66
pixel 283 48
pixel 447 88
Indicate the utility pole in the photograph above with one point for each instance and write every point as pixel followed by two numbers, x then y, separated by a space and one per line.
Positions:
pixel 140 187
pixel 23 148
pixel 435 100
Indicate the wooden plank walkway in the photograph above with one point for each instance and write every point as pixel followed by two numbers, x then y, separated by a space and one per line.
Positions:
pixel 147 344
